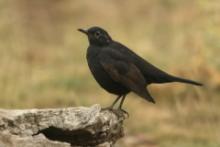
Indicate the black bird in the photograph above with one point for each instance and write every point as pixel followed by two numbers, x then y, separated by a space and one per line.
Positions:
pixel 119 70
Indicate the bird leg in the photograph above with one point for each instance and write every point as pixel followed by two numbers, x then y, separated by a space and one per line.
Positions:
pixel 113 104
pixel 115 101
pixel 120 105
pixel 121 102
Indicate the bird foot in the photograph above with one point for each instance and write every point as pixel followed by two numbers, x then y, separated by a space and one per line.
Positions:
pixel 118 111
pixel 125 112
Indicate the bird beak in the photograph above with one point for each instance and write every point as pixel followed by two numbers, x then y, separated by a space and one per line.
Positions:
pixel 83 31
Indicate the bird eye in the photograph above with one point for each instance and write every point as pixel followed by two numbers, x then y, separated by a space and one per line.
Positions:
pixel 97 34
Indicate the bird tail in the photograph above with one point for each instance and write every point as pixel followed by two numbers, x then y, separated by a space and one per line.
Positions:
pixel 182 80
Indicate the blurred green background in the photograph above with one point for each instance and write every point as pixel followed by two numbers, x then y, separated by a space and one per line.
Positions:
pixel 43 64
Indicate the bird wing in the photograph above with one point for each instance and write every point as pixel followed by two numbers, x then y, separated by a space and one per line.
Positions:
pixel 151 73
pixel 121 70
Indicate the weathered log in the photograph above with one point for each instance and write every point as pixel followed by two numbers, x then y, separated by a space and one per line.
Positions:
pixel 61 127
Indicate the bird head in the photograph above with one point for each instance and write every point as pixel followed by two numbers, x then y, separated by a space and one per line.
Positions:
pixel 97 36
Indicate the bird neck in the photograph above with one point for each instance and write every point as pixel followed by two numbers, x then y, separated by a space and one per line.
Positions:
pixel 101 42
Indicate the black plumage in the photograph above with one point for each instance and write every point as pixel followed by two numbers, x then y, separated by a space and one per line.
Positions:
pixel 119 70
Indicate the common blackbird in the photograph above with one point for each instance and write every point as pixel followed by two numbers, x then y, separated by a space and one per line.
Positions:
pixel 119 70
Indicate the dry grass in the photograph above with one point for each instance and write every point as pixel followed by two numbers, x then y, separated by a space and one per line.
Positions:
pixel 42 61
